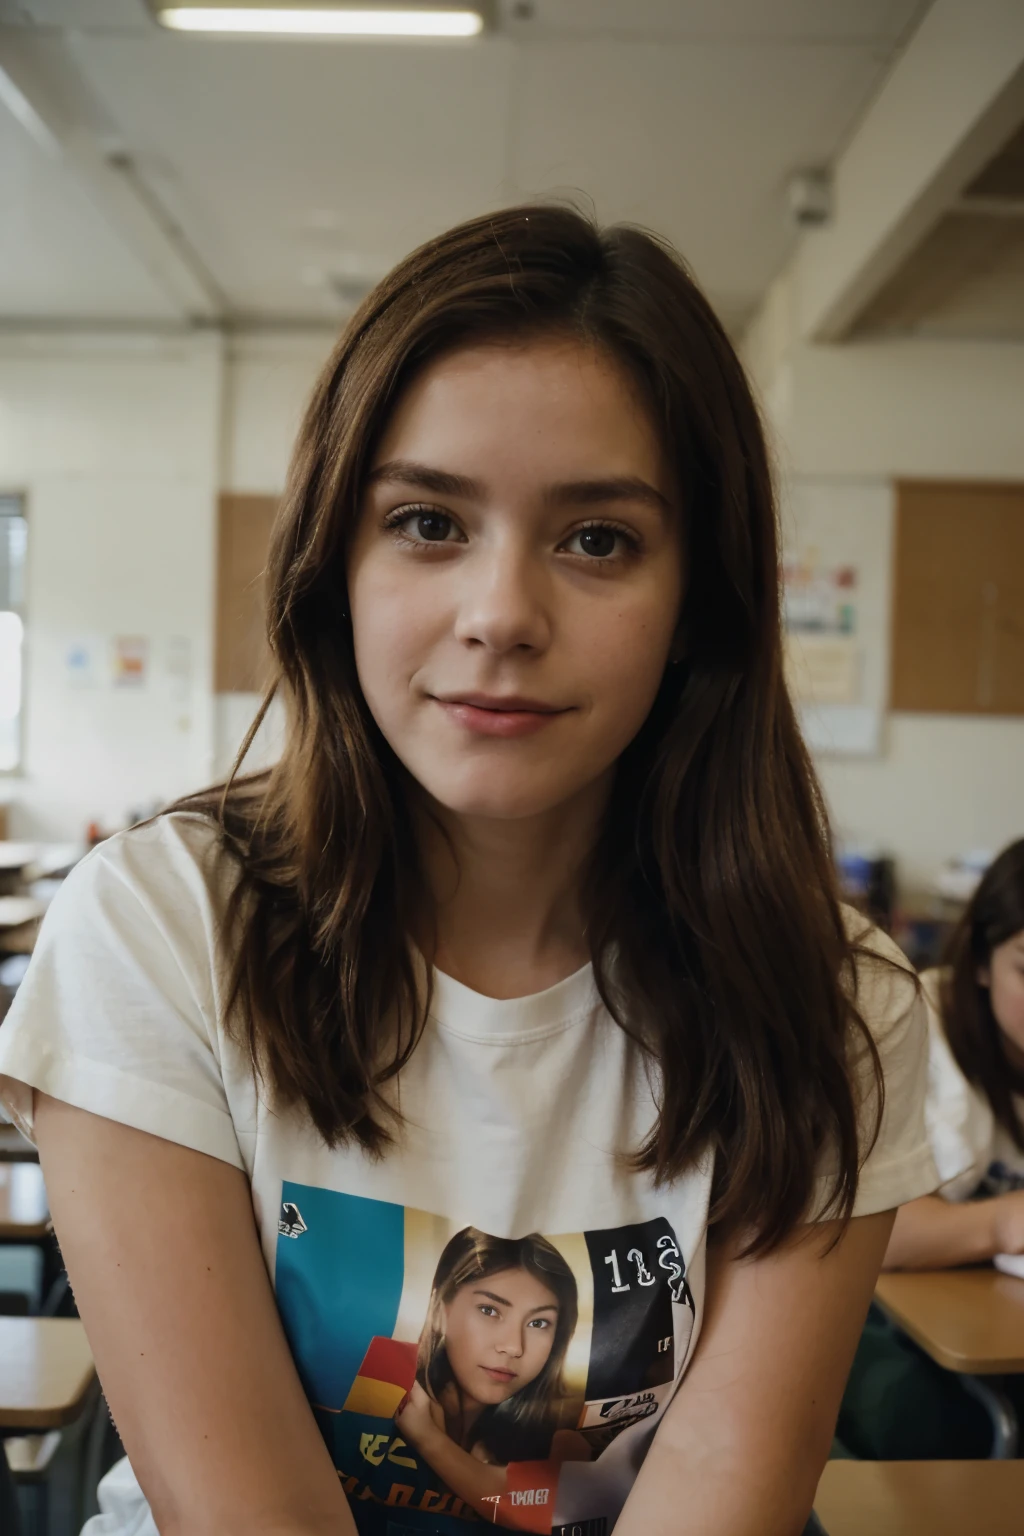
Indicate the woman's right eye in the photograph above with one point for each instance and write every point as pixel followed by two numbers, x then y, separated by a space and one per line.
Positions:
pixel 425 525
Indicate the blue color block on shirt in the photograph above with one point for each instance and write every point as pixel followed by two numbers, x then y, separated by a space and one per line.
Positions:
pixel 338 1284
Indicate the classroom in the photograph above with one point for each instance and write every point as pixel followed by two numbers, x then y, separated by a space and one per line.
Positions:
pixel 512 767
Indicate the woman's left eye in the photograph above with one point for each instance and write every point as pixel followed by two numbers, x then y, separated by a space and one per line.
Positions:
pixel 600 541
pixel 539 1322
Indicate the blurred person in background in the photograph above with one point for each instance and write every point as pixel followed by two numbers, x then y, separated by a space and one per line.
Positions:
pixel 899 1403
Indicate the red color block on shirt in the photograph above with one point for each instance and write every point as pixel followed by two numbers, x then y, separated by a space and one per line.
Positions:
pixel 528 1502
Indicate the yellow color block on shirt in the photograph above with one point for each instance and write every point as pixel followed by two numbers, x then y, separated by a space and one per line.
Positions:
pixel 379 1399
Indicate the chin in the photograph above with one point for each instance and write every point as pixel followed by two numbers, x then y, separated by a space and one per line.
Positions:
pixel 484 794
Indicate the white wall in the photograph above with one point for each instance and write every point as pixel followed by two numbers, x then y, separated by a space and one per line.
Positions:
pixel 268 380
pixel 113 441
pixel 860 415
pixel 120 444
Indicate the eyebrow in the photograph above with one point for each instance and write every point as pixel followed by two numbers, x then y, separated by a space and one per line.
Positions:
pixel 572 493
pixel 440 481
pixel 548 1306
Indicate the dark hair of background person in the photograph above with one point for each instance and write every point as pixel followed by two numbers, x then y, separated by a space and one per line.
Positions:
pixel 712 914
pixel 521 1427
pixel 994 914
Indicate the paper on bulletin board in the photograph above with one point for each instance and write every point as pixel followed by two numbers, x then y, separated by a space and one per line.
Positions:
pixel 823 669
pixel 130 661
pixel 842 730
pixel 83 661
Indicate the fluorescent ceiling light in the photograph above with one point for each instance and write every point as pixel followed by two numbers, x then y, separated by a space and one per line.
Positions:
pixel 283 21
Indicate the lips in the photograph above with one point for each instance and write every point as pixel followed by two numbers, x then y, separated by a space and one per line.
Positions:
pixel 510 715
pixel 498 1375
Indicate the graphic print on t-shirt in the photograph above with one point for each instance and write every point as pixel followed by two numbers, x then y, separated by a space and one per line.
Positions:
pixel 457 1376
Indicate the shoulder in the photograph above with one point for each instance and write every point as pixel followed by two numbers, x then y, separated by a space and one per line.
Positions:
pixel 175 862
pixel 159 889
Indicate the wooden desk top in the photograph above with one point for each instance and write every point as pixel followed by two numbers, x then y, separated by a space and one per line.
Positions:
pixel 24 1211
pixel 13 1146
pixel 46 1370
pixel 966 1319
pixel 16 911
pixel 921 1498
pixel 16 855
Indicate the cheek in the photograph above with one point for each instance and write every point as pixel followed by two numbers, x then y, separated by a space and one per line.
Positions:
pixel 392 624
pixel 538 1348
pixel 1007 996
pixel 626 660
pixel 461 1336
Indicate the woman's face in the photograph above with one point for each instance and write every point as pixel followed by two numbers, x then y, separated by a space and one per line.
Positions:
pixel 498 1334
pixel 1004 978
pixel 515 577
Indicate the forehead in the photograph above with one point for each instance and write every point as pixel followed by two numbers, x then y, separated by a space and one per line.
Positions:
pixel 544 409
pixel 517 1286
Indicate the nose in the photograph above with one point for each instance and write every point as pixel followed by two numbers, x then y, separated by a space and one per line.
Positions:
pixel 503 604
pixel 511 1343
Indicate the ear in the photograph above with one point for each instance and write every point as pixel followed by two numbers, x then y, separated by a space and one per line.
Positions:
pixel 983 976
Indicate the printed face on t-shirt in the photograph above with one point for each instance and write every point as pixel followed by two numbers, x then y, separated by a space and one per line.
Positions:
pixel 498 1334
pixel 515 577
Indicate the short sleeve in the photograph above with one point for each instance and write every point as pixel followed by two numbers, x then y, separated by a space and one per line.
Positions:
pixel 118 1011
pixel 897 1165
pixel 961 1125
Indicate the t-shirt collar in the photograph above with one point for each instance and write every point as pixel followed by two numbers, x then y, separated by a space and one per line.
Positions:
pixel 462 1011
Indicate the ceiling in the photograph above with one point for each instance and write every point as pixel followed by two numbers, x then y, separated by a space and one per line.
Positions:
pixel 965 280
pixel 292 173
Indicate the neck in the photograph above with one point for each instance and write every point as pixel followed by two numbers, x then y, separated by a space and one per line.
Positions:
pixel 461 1412
pixel 507 894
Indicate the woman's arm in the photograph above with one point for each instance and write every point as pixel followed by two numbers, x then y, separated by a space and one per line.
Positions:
pixel 476 1482
pixel 932 1233
pixel 163 1254
pixel 742 1445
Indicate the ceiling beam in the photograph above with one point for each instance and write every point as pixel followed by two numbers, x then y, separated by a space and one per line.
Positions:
pixel 34 75
pixel 954 97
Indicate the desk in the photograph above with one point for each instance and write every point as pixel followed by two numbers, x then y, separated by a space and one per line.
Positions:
pixel 970 1321
pixel 14 1148
pixel 46 1374
pixel 46 1370
pixel 921 1498
pixel 24 1210
pixel 19 923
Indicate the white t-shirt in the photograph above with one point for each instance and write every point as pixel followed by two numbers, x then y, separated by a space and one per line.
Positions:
pixel 972 1151
pixel 515 1112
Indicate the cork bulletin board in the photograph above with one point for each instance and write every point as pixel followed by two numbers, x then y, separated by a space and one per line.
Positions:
pixel 958 598
pixel 244 524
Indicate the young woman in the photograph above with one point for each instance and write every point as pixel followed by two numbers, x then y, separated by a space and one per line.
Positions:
pixel 489 1386
pixel 898 1404
pixel 534 926
pixel 975 1106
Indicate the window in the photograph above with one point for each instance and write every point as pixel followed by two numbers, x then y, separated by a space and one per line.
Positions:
pixel 13 543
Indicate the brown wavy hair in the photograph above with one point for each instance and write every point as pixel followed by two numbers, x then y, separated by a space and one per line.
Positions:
pixel 712 915
pixel 994 914
pixel 521 1427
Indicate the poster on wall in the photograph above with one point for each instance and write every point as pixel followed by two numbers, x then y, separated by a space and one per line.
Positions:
pixel 836 587
pixel 818 598
pixel 82 661
pixel 823 663
pixel 130 661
